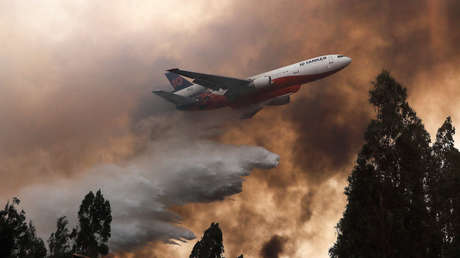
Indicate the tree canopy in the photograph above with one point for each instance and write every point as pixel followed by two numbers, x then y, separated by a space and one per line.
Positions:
pixel 18 238
pixel 94 229
pixel 400 203
pixel 210 245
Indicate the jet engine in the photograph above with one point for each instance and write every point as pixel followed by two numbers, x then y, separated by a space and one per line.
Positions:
pixel 262 82
pixel 281 100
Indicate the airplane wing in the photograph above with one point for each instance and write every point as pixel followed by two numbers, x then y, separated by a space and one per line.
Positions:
pixel 180 101
pixel 234 86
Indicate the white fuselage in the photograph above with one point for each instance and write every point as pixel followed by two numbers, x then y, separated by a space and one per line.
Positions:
pixel 310 67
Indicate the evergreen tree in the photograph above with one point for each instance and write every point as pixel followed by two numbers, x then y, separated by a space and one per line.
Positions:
pixel 6 236
pixel 59 242
pixel 386 214
pixel 94 229
pixel 18 237
pixel 210 245
pixel 443 185
pixel 32 246
pixel 454 195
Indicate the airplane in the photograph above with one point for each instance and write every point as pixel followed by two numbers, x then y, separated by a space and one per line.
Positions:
pixel 271 88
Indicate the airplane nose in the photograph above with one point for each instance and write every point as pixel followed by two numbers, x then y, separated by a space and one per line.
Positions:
pixel 347 60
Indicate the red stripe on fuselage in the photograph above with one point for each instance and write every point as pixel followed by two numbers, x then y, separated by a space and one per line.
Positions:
pixel 208 100
pixel 264 95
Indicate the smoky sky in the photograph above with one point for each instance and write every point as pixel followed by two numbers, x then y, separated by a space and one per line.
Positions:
pixel 78 77
pixel 319 134
pixel 79 115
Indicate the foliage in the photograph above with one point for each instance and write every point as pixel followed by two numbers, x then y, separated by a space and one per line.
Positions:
pixel 393 196
pixel 59 242
pixel 93 231
pixel 18 238
pixel 210 245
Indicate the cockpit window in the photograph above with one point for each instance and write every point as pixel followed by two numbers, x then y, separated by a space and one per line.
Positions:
pixel 339 56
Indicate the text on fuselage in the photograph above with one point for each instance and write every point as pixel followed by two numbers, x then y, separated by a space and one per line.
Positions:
pixel 313 60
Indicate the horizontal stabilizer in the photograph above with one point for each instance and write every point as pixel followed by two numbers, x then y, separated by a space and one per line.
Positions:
pixel 179 100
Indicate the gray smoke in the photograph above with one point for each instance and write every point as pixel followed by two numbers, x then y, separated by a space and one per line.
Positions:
pixel 141 190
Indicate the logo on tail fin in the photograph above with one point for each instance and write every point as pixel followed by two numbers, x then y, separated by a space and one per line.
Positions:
pixel 177 82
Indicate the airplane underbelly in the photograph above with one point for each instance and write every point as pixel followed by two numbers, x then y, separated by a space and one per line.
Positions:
pixel 288 80
pixel 264 95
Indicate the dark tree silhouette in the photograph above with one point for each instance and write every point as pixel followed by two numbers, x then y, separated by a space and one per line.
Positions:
pixel 386 214
pixel 443 190
pixel 210 245
pixel 59 242
pixel 93 231
pixel 18 237
pixel 6 236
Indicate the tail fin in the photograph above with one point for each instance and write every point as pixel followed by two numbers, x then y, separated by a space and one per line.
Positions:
pixel 180 101
pixel 177 81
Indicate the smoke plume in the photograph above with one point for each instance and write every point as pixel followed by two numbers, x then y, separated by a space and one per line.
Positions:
pixel 273 247
pixel 142 190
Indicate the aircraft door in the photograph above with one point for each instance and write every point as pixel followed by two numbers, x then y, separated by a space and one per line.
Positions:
pixel 295 69
pixel 330 61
